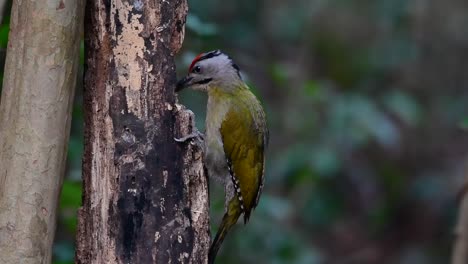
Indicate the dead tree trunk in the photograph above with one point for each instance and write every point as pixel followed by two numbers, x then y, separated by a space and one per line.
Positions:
pixel 35 113
pixel 145 196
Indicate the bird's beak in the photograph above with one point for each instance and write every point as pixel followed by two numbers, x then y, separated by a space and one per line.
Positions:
pixel 183 83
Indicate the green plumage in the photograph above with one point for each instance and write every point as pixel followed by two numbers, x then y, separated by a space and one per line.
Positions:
pixel 244 136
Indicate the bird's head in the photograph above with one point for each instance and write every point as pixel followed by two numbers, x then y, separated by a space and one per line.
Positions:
pixel 211 69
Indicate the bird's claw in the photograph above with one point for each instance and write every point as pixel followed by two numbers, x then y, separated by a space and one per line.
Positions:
pixel 196 136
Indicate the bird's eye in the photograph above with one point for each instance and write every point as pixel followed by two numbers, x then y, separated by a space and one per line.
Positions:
pixel 196 69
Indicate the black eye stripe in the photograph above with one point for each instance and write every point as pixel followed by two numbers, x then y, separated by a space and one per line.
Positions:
pixel 204 81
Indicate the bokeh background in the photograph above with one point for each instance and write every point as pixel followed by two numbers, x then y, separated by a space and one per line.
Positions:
pixel 367 105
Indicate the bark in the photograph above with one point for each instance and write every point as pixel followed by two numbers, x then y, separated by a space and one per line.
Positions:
pixel 35 113
pixel 145 196
pixel 460 250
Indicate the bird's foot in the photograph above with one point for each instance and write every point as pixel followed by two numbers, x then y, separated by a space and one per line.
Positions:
pixel 196 137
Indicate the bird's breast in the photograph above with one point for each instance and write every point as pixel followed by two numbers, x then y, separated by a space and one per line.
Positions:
pixel 215 158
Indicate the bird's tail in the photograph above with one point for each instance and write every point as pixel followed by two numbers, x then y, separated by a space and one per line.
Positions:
pixel 229 220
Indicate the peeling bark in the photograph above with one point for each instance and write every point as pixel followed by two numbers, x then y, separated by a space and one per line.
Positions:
pixel 145 196
pixel 35 113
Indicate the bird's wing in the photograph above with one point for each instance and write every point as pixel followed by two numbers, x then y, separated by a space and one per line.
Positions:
pixel 244 136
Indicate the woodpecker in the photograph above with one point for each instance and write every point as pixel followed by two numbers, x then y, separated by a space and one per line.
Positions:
pixel 235 139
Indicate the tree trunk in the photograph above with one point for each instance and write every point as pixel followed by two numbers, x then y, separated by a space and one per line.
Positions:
pixel 35 113
pixel 145 196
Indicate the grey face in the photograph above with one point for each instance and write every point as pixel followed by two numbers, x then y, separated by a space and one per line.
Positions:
pixel 211 69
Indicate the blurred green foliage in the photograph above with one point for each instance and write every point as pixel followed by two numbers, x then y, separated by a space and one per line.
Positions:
pixel 368 111
pixel 368 125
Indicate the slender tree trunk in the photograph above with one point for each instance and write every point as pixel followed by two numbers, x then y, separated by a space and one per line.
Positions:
pixel 145 196
pixel 35 113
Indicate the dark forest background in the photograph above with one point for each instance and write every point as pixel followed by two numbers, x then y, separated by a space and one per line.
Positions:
pixel 367 105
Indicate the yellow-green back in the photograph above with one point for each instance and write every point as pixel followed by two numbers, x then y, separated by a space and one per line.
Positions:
pixel 244 135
